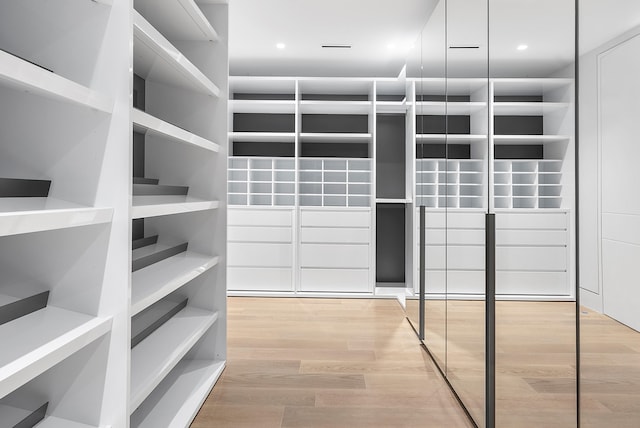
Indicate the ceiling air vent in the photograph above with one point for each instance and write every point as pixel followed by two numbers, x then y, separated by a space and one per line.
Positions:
pixel 464 47
pixel 334 46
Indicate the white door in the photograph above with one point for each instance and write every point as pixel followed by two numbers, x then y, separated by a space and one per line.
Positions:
pixel 619 70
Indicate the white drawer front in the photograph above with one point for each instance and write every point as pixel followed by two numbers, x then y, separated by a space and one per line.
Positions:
pixel 259 255
pixel 454 236
pixel 259 234
pixel 455 220
pixel 335 280
pixel 531 237
pixel 531 258
pixel 557 220
pixel 252 217
pixel 532 283
pixel 457 282
pixel 458 257
pixel 259 279
pixel 328 218
pixel 332 235
pixel 334 256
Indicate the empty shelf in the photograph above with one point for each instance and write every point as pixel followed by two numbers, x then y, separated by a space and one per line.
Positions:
pixel 527 108
pixel 336 136
pixel 36 342
pixel 24 76
pixel 144 189
pixel 336 107
pixel 529 139
pixel 152 206
pixel 154 357
pixel 450 108
pixel 152 126
pixel 177 20
pixel 26 215
pixel 155 282
pixel 263 106
pixel 18 417
pixel 156 59
pixel 143 180
pixel 154 253
pixel 18 300
pixel 176 401
pixel 265 137
pixel 143 242
pixel 152 318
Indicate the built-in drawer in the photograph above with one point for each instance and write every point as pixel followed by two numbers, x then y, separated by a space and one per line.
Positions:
pixel 335 280
pixel 333 218
pixel 454 236
pixel 332 235
pixel 259 254
pixel 259 234
pixel 531 237
pixel 259 217
pixel 334 256
pixel 555 220
pixel 259 279
pixel 453 220
pixel 440 257
pixel 532 283
pixel 531 258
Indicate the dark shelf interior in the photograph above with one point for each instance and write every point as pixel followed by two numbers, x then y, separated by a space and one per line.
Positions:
pixel 519 151
pixel 264 122
pixel 335 123
pixel 518 125
pixel 24 188
pixel 390 243
pixel 443 151
pixel 435 124
pixel 153 317
pixel 346 149
pixel 149 254
pixel 266 149
pixel 390 156
pixel 21 301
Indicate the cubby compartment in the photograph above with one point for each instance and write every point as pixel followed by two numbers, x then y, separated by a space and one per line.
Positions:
pixel 334 182
pixel 262 181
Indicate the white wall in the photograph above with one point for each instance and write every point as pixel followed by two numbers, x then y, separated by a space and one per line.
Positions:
pixel 590 268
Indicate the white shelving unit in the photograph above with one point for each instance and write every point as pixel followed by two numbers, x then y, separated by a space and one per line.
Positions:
pixel 72 72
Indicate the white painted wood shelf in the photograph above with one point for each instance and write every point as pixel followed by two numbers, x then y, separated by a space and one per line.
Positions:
pixel 154 206
pixel 529 139
pixel 451 138
pixel 154 357
pixel 166 406
pixel 154 282
pixel 147 124
pixel 177 19
pixel 27 215
pixel 156 59
pixel 527 108
pixel 336 107
pixel 24 76
pixel 320 137
pixel 36 342
pixel 263 137
pixel 263 106
pixel 450 108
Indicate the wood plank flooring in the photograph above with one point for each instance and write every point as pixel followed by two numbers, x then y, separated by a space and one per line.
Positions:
pixel 326 363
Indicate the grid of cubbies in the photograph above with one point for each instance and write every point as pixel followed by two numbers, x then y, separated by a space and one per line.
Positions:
pixel 528 183
pixel 262 181
pixel 335 182
pixel 450 183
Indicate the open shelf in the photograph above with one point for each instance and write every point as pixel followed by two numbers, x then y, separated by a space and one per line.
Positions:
pixel 263 137
pixel 177 19
pixel 26 215
pixel 450 108
pixel 527 108
pixel 263 106
pixel 156 59
pixel 167 406
pixel 153 206
pixel 391 107
pixel 152 126
pixel 337 136
pixel 161 279
pixel 335 107
pixel 450 138
pixel 529 139
pixel 24 76
pixel 36 342
pixel 155 356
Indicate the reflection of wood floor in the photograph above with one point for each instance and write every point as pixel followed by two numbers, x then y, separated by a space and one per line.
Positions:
pixel 330 363
pixel 535 363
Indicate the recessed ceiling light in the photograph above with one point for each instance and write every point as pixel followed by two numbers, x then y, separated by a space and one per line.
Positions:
pixel 281 46
pixel 522 47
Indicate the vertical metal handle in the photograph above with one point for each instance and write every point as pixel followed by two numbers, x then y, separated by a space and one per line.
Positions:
pixel 422 272
pixel 490 320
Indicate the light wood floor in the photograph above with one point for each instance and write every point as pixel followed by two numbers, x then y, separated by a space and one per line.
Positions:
pixel 326 363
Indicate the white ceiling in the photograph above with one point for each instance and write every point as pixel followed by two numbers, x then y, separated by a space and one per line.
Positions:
pixel 372 26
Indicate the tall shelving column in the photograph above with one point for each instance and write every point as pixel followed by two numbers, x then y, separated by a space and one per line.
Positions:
pixel 64 73
pixel 178 283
